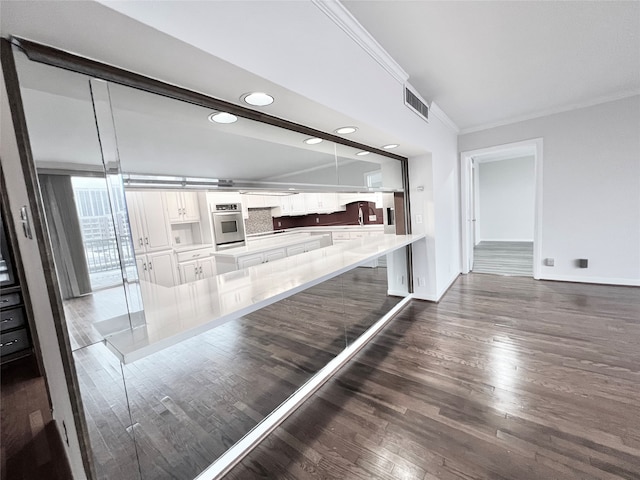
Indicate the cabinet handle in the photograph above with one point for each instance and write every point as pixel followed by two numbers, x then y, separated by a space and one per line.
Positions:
pixel 140 240
pixel 146 240
pixel 200 270
pixel 8 343
pixel 144 265
pixel 7 320
pixel 150 266
pixel 5 300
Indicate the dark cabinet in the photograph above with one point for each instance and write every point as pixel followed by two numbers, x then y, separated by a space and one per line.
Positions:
pixel 15 340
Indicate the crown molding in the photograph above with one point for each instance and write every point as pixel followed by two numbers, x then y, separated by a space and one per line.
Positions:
pixel 554 111
pixel 348 23
pixel 443 117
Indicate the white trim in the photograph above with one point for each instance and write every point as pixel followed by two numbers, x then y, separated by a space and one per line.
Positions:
pixel 465 201
pixel 348 23
pixel 626 282
pixel 397 293
pixel 553 111
pixel 443 117
pixel 506 240
pixel 234 455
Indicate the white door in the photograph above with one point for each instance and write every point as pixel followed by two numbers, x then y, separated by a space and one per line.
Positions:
pixel 191 212
pixel 188 271
pixel 207 268
pixel 161 268
pixel 154 219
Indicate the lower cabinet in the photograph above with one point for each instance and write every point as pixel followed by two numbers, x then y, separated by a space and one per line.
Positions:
pixel 158 268
pixel 196 270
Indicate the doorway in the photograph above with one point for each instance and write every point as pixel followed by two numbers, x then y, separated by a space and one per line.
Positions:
pixel 501 190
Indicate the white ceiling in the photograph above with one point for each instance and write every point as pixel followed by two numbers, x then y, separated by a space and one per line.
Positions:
pixel 487 63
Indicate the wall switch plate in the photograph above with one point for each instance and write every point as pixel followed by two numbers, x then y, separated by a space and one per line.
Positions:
pixel 279 224
pixel 418 218
pixel 317 220
pixel 421 281
pixel 548 262
pixel 372 218
pixel 583 262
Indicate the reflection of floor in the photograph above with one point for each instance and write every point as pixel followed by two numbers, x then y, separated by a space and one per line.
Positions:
pixel 504 258
pixel 505 378
pixel 194 400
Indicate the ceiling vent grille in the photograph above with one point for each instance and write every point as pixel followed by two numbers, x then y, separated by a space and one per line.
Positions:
pixel 415 102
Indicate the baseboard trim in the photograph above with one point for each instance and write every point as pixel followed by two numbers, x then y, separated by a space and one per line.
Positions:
pixel 397 293
pixel 240 449
pixel 524 240
pixel 625 282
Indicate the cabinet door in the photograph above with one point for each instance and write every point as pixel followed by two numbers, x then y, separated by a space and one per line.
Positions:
pixel 312 245
pixel 188 271
pixel 135 225
pixel 295 250
pixel 274 255
pixel 285 206
pixel 298 206
pixel 141 265
pixel 250 260
pixel 161 266
pixel 154 219
pixel 207 268
pixel 191 212
pixel 174 206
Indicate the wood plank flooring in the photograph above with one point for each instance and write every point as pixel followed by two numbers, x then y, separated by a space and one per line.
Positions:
pixel 504 258
pixel 191 402
pixel 505 378
pixel 30 447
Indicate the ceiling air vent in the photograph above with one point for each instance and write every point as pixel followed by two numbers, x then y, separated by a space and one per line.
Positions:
pixel 415 102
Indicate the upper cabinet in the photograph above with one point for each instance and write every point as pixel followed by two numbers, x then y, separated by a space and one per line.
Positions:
pixel 307 203
pixel 150 229
pixel 182 206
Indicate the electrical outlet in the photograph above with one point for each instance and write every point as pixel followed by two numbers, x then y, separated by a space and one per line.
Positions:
pixel 421 281
pixel 279 224
pixel 549 262
pixel 317 220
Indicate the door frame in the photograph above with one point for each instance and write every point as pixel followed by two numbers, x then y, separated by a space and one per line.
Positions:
pixel 467 204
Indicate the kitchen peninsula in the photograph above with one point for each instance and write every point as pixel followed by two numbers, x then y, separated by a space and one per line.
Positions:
pixel 173 314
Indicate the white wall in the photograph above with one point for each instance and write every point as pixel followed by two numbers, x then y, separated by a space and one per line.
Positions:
pixel 506 200
pixel 591 188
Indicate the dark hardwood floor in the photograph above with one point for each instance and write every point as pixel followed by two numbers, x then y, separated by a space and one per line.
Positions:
pixel 191 402
pixel 31 448
pixel 506 378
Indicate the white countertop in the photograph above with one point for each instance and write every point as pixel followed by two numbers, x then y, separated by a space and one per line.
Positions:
pixel 174 314
pixel 261 244
pixel 193 246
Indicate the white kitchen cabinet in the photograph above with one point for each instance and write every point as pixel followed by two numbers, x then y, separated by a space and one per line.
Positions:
pixel 150 228
pixel 295 250
pixel 275 254
pixel 253 201
pixel 298 204
pixel 158 268
pixel 250 260
pixel 182 206
pixel 196 270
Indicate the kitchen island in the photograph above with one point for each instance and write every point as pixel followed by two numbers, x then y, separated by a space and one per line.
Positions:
pixel 174 314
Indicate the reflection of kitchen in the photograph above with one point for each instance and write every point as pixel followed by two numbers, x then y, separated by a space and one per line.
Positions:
pixel 181 236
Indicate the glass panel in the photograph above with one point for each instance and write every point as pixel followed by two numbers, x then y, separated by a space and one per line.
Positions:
pixel 83 231
pixel 161 136
pixel 370 171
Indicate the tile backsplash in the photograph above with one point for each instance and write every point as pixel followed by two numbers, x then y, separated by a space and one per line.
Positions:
pixel 259 221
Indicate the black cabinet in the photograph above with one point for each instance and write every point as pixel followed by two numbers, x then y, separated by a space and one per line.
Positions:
pixel 15 341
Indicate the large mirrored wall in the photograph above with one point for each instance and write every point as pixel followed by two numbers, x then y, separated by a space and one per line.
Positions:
pixel 183 342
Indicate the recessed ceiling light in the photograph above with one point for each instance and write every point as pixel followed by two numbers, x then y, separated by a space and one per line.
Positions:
pixel 390 146
pixel 222 117
pixel 345 130
pixel 258 99
pixel 363 153
pixel 312 141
